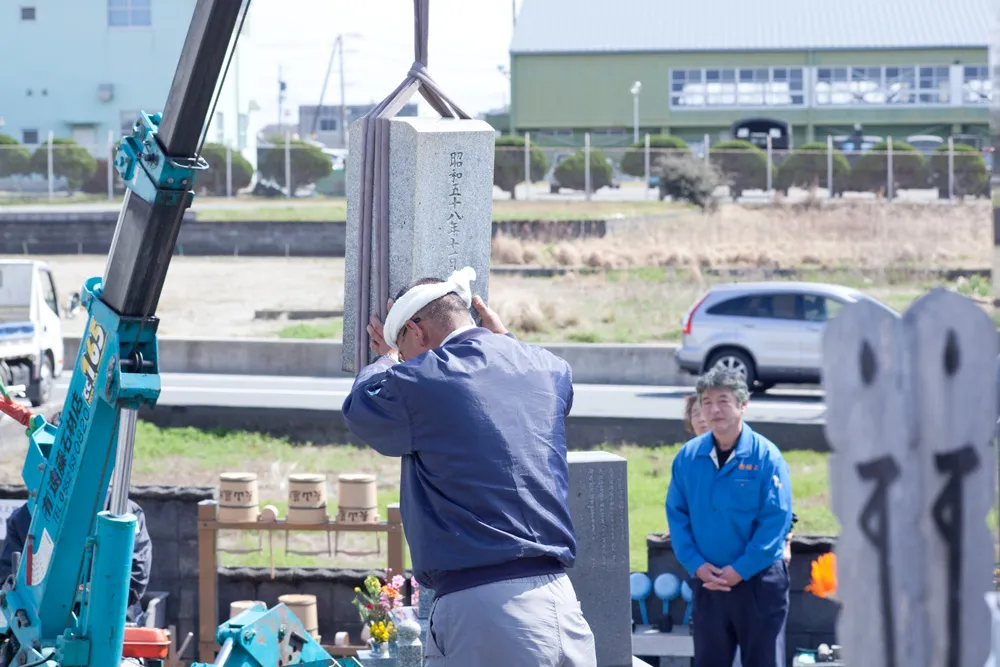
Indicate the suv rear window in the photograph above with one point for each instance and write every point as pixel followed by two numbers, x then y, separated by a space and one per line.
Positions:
pixel 777 306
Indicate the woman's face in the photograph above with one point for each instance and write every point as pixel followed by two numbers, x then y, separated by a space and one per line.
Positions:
pixel 698 421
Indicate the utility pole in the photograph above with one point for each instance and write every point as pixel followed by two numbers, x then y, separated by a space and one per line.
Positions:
pixel 513 13
pixel 343 96
pixel 338 49
pixel 281 98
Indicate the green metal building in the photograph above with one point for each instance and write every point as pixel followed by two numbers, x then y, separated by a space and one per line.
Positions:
pixel 895 67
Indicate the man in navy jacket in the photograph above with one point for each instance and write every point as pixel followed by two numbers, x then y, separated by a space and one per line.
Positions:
pixel 478 419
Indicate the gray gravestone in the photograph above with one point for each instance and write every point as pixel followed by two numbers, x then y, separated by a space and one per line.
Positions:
pixel 598 504
pixel 911 406
pixel 440 208
pixel 409 651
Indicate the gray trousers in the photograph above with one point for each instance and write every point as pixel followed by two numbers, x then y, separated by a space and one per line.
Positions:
pixel 530 622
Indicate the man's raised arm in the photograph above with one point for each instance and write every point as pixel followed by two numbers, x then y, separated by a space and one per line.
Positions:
pixel 375 411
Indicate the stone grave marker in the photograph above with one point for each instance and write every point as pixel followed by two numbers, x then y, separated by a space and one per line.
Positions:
pixel 911 409
pixel 598 504
pixel 440 209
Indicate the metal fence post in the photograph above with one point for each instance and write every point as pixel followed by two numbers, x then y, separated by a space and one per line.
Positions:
pixel 888 168
pixel 50 171
pixel 770 164
pixel 829 166
pixel 527 166
pixel 951 168
pixel 645 186
pixel 111 164
pixel 288 162
pixel 229 171
pixel 707 143
pixel 586 165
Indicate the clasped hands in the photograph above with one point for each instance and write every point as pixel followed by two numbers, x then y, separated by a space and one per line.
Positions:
pixel 490 320
pixel 718 579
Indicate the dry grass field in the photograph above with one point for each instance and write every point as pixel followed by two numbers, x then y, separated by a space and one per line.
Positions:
pixel 855 235
pixel 633 285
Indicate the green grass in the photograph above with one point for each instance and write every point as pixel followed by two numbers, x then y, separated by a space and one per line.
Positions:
pixel 188 456
pixel 333 328
pixel 642 304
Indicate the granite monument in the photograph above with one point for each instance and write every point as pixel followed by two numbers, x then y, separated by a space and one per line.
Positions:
pixel 598 504
pixel 440 209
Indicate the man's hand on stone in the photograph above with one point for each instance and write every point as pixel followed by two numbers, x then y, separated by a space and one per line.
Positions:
pixel 376 337
pixel 711 576
pixel 488 316
pixel 729 576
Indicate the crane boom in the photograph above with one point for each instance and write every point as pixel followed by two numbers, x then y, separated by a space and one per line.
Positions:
pixel 65 602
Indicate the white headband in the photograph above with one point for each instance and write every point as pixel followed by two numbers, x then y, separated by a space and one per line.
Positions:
pixel 418 297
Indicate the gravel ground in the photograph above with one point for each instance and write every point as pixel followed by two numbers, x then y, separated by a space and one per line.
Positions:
pixel 212 297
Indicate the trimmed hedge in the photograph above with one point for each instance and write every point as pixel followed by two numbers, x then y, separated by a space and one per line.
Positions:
pixel 508 163
pixel 214 181
pixel 971 174
pixel 570 173
pixel 69 159
pixel 909 169
pixel 634 162
pixel 808 165
pixel 14 158
pixel 743 165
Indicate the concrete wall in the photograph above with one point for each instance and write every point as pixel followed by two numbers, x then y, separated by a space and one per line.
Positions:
pixel 811 620
pixel 90 233
pixel 592 363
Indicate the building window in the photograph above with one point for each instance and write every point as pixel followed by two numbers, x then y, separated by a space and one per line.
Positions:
pixel 327 124
pixel 977 88
pixel 127 121
pixel 129 13
pixel 745 87
pixel 554 134
pixel 850 86
pixel 900 85
pixel 27 13
pixel 29 137
pixel 861 86
pixel 935 85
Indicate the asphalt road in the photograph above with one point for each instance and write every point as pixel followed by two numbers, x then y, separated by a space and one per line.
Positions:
pixel 319 394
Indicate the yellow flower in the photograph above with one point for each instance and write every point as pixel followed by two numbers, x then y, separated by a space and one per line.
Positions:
pixel 357 590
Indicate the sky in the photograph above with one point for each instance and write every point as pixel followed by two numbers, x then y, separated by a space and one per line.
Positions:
pixel 468 41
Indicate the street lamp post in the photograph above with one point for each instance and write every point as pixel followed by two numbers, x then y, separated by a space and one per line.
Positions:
pixel 636 89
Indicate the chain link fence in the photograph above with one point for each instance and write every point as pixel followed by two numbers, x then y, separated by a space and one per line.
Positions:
pixel 61 168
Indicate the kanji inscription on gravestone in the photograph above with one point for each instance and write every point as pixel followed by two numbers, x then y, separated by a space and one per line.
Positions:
pixel 440 209
pixel 911 405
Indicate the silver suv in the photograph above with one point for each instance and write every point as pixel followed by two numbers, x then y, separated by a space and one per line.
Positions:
pixel 770 332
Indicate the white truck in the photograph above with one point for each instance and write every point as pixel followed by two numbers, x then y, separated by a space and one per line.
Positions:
pixel 31 338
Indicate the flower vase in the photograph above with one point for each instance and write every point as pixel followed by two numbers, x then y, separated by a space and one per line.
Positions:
pixel 380 649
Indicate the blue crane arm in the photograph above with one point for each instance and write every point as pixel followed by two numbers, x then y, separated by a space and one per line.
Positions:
pixel 65 602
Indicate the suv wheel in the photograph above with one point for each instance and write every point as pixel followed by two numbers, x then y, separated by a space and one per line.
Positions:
pixel 735 360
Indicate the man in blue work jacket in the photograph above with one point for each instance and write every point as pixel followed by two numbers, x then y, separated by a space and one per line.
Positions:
pixel 478 419
pixel 729 507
